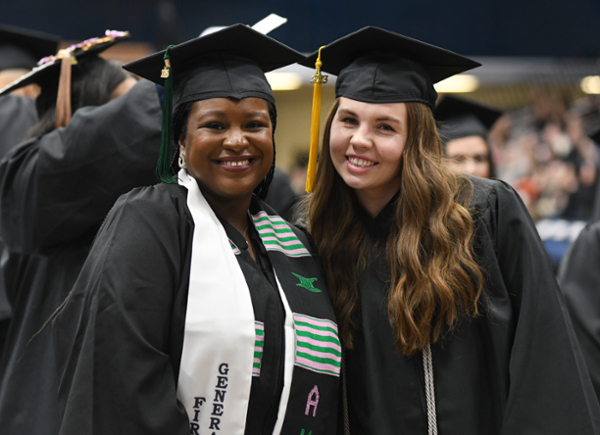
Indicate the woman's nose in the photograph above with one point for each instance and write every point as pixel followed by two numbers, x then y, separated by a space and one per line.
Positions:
pixel 235 139
pixel 361 138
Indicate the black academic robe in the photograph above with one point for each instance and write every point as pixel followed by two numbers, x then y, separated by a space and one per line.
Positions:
pixel 55 192
pixel 120 334
pixel 17 116
pixel 517 369
pixel 281 195
pixel 579 279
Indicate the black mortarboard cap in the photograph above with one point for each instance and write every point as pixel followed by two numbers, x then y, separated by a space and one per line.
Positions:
pixel 374 65
pixel 47 70
pixel 22 48
pixel 458 118
pixel 229 63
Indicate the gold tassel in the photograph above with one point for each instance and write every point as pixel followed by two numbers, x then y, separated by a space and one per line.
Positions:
pixel 63 99
pixel 317 79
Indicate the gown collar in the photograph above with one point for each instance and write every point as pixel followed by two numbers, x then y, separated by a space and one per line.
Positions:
pixel 378 227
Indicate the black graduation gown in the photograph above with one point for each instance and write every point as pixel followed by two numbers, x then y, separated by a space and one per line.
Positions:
pixel 120 335
pixel 17 116
pixel 579 279
pixel 54 194
pixel 515 370
pixel 281 195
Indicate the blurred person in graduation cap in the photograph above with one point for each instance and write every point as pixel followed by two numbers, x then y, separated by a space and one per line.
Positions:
pixel 199 309
pixel 20 49
pixel 98 136
pixel 450 316
pixel 579 279
pixel 463 127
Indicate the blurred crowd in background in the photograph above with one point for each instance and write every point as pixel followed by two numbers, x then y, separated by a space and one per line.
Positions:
pixel 548 152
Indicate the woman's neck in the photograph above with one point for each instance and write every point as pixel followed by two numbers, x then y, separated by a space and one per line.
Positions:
pixel 374 203
pixel 235 211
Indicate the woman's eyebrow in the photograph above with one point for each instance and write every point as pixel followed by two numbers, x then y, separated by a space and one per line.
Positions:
pixel 211 112
pixel 257 113
pixel 221 113
pixel 389 118
pixel 381 118
pixel 347 112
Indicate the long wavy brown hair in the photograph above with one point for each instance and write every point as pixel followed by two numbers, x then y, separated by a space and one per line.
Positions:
pixel 435 279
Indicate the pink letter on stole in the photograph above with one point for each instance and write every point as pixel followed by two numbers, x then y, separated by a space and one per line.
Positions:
pixel 313 400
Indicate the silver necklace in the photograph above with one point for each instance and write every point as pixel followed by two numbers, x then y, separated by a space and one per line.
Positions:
pixel 244 233
pixel 247 226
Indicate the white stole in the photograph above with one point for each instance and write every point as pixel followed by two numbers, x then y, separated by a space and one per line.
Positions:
pixel 215 375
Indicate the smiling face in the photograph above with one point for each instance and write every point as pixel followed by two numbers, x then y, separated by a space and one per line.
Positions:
pixel 366 145
pixel 228 147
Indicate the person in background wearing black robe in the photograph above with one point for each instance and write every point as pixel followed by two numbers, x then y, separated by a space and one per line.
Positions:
pixel 282 196
pixel 579 279
pixel 199 310
pixel 55 190
pixel 450 316
pixel 463 127
pixel 19 51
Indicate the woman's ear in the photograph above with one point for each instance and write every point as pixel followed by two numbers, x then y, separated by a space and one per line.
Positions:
pixel 181 160
pixel 181 143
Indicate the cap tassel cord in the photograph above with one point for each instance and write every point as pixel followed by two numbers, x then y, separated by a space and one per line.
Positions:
pixel 317 79
pixel 63 99
pixel 163 169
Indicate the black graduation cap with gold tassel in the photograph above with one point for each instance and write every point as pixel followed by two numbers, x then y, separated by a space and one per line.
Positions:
pixel 375 65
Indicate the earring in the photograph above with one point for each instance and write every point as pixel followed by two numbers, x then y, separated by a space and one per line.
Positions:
pixel 181 162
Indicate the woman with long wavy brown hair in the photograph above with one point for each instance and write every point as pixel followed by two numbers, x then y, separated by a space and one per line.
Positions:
pixel 449 312
pixel 435 257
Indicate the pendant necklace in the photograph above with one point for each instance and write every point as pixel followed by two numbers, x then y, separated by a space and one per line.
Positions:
pixel 247 226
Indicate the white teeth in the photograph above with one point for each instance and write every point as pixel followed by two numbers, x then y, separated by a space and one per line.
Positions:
pixel 239 163
pixel 360 162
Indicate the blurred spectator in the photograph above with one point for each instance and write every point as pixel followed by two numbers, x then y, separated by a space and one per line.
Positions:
pixel 584 158
pixel 547 155
pixel 298 174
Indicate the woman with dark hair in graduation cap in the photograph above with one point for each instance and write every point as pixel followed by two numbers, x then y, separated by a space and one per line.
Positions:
pixel 199 310
pixel 463 128
pixel 97 137
pixel 449 313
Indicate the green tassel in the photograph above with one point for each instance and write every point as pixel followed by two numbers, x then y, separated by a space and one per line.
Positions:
pixel 164 171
